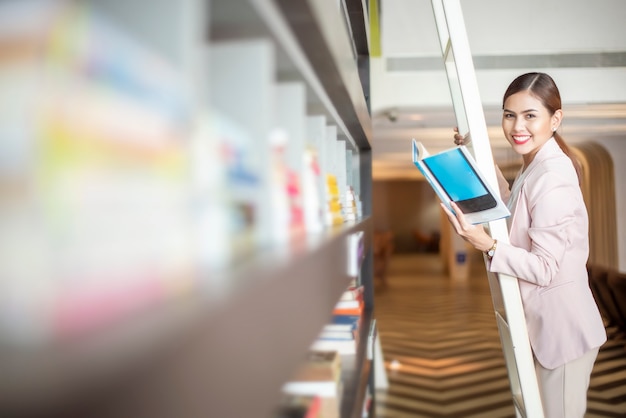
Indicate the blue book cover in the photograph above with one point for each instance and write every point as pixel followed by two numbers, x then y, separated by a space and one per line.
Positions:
pixel 346 319
pixel 454 176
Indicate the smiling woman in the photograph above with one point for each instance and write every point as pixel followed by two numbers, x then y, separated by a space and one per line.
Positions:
pixel 548 248
pixel 531 116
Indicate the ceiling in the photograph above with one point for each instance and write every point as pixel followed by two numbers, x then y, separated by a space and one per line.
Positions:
pixel 585 53
pixel 394 128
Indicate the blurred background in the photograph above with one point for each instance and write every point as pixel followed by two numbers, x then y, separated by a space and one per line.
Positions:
pixel 580 46
pixel 187 188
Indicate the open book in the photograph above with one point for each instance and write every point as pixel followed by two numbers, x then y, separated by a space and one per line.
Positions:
pixel 454 176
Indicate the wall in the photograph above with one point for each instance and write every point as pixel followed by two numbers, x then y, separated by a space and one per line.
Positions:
pixel 545 27
pixel 404 207
pixel 501 29
pixel 617 149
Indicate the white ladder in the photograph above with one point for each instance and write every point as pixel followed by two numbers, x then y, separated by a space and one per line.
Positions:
pixel 505 292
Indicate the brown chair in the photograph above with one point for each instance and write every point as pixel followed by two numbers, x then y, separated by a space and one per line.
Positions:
pixel 596 295
pixel 383 248
pixel 428 243
pixel 617 284
pixel 598 281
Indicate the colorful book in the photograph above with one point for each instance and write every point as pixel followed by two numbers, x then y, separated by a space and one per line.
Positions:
pixel 349 310
pixel 454 176
pixel 353 320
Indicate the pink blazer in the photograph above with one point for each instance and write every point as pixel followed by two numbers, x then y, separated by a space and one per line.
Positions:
pixel 548 251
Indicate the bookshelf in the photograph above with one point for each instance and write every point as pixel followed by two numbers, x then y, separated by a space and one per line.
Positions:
pixel 222 344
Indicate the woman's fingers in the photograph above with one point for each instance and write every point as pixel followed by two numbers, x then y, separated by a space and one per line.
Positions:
pixel 461 139
pixel 457 219
pixel 453 218
pixel 474 234
pixel 463 228
pixel 459 215
pixel 446 210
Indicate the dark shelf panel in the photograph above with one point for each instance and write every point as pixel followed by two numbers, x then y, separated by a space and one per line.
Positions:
pixel 227 349
pixel 329 54
pixel 356 373
pixel 307 52
pixel 197 356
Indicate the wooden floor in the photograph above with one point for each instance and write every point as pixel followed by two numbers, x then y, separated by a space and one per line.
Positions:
pixel 442 349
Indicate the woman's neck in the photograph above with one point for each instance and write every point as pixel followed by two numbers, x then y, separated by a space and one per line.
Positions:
pixel 527 159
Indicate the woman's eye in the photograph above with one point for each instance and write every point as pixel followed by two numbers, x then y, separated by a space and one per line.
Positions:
pixel 530 116
pixel 508 115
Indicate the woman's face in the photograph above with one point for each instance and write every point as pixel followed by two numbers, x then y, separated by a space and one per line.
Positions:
pixel 527 124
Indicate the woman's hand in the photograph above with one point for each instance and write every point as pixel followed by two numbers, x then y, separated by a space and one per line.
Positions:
pixel 460 139
pixel 474 234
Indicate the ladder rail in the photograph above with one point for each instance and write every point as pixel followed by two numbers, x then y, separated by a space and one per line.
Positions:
pixel 505 291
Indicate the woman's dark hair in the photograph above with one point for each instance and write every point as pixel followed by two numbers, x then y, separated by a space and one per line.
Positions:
pixel 543 87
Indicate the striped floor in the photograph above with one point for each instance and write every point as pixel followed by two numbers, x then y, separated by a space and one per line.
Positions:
pixel 442 349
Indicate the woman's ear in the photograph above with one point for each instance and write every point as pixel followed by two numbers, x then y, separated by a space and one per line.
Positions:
pixel 556 119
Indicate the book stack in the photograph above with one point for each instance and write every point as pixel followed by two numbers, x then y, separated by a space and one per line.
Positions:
pixel 342 334
pixel 319 377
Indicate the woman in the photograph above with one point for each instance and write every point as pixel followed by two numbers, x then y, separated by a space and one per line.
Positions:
pixel 549 246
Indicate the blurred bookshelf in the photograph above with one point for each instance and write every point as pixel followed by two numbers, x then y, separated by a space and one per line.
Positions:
pixel 185 195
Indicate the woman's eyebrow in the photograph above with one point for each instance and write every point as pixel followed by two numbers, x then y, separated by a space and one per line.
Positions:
pixel 523 111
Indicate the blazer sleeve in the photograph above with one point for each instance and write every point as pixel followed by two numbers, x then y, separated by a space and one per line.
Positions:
pixel 555 206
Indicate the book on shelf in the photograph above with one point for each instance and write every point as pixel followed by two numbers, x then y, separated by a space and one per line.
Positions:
pixel 356 255
pixel 352 320
pixel 349 304
pixel 339 327
pixel 455 177
pixel 299 406
pixel 319 376
pixel 343 347
pixel 342 335
pixel 319 365
pixel 311 192
pixel 355 281
pixel 371 340
pixel 350 207
pixel 351 301
pixel 340 331
pixel 334 214
pixel 352 293
pixel 346 307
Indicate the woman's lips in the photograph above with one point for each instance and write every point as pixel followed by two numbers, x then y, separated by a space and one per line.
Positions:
pixel 521 139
